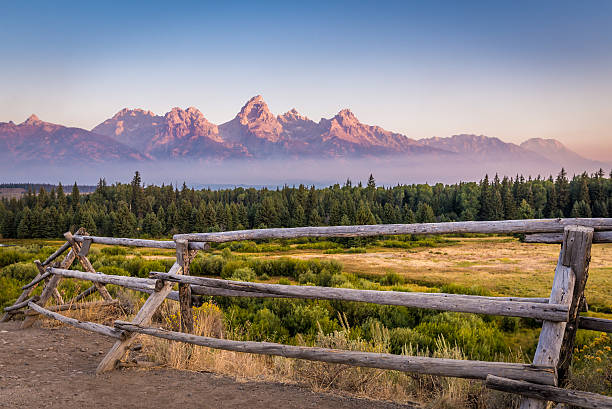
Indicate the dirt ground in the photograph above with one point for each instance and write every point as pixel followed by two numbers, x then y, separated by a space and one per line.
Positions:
pixel 54 368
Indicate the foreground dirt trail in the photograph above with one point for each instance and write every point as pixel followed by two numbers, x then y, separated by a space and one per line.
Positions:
pixel 54 368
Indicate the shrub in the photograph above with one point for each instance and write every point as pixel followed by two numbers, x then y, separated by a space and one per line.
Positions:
pixel 114 251
pixel 21 271
pixel 243 274
pixel 10 288
pixel 392 278
pixel 402 338
pixel 11 256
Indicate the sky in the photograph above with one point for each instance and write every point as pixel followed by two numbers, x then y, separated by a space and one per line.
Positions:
pixel 510 69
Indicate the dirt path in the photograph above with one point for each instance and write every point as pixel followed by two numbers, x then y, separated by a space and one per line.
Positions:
pixel 54 368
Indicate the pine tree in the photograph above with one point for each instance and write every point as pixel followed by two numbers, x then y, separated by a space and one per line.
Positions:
pixel 563 192
pixel 581 209
pixel 299 217
pixel 137 195
pixel 24 229
pixel 61 197
pixel 424 213
pixel 87 221
pixel 125 221
pixel 151 225
pixel 364 214
pixel 525 211
pixel 75 197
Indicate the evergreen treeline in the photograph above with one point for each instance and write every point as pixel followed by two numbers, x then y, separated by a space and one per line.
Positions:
pixel 133 210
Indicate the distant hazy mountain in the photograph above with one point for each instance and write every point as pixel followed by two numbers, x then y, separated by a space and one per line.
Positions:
pixel 255 132
pixel 553 150
pixel 43 141
pixel 480 146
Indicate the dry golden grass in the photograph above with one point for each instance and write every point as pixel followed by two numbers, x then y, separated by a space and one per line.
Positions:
pixel 502 265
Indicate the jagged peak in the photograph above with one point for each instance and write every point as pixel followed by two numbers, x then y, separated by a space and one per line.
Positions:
pixel 32 120
pixel 293 115
pixel 346 116
pixel 254 110
pixel 188 116
pixel 132 112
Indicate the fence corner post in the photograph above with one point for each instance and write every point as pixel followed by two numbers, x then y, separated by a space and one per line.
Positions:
pixel 557 338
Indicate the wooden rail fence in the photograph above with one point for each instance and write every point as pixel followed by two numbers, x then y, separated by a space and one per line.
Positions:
pixel 543 380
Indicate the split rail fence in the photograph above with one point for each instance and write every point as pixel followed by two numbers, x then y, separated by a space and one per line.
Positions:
pixel 543 380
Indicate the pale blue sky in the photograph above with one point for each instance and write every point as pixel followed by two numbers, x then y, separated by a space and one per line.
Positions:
pixel 515 69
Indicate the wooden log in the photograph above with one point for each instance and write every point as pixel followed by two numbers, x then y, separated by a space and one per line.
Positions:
pixel 143 317
pixel 577 258
pixel 86 325
pixel 77 306
pixel 51 286
pixel 158 244
pixel 56 254
pixel 85 246
pixel 55 293
pixel 595 324
pixel 551 340
pixel 92 289
pixel 444 302
pixel 489 227
pixel 422 365
pixel 182 258
pixel 22 304
pixel 36 280
pixel 552 238
pixel 87 264
pixel 549 393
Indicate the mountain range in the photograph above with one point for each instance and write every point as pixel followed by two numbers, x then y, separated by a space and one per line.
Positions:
pixel 255 133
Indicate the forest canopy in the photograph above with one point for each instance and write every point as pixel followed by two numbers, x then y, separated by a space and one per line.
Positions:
pixel 135 210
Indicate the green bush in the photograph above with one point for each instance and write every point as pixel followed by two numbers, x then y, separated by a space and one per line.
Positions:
pixel 243 274
pixel 10 288
pixel 24 271
pixel 400 338
pixel 477 338
pixel 392 278
pixel 114 251
pixel 8 257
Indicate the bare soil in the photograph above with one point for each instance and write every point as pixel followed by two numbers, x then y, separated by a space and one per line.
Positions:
pixel 55 368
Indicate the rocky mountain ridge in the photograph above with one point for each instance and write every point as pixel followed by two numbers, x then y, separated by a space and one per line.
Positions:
pixel 255 132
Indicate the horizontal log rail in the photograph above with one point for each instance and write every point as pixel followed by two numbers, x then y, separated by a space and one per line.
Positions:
pixel 147 285
pixel 486 227
pixel 158 244
pixel 552 393
pixel 76 306
pixel 557 238
pixel 595 324
pixel 86 325
pixel 423 365
pixel 22 304
pixel 436 301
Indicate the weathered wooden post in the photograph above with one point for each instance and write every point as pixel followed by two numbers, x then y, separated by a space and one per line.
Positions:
pixel 81 253
pixel 557 338
pixel 182 258
pixel 143 317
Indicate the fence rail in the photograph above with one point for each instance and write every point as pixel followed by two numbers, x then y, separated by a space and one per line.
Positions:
pixel 543 380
